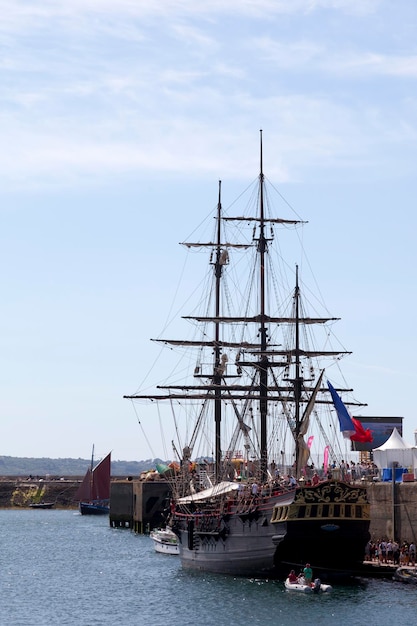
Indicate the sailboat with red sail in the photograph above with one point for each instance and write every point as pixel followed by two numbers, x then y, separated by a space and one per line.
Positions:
pixel 94 491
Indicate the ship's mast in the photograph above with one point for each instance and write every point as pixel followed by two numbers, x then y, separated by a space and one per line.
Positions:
pixel 263 361
pixel 217 374
pixel 91 475
pixel 298 381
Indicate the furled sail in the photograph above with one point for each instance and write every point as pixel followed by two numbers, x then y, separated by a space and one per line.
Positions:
pixel 303 450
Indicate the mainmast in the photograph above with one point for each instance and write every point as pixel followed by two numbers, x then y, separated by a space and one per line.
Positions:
pixel 217 374
pixel 263 361
pixel 91 473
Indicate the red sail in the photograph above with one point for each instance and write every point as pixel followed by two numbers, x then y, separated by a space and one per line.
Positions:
pixel 96 482
pixel 84 489
pixel 101 480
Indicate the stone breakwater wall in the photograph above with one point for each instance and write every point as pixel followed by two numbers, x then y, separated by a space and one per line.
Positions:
pixel 17 493
pixel 393 510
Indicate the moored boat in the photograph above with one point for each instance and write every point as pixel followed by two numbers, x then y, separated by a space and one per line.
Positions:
pixel 93 494
pixel 165 541
pixel 95 507
pixel 42 505
pixel 406 574
pixel 244 501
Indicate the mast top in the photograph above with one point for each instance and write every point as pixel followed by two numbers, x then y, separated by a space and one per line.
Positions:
pixel 261 154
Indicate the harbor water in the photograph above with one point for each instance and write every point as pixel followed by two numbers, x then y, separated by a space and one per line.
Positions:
pixel 58 567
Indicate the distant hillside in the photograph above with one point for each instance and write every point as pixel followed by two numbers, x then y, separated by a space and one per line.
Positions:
pixel 26 466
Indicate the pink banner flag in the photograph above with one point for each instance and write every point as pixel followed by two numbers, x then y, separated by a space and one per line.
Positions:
pixel 310 441
pixel 326 459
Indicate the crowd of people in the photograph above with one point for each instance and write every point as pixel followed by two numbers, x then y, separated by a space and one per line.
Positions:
pixel 309 476
pixel 391 552
pixel 344 470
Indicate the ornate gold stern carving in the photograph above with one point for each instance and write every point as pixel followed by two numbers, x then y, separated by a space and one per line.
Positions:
pixel 331 492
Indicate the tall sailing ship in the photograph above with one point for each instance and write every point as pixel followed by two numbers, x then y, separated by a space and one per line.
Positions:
pixel 246 497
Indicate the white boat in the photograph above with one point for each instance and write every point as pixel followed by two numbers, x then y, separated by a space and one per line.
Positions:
pixel 406 574
pixel 165 541
pixel 315 587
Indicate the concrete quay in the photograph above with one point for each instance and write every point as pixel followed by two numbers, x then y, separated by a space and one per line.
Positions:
pixel 142 505
pixel 18 492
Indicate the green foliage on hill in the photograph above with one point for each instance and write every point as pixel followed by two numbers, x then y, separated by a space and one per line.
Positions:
pixel 26 466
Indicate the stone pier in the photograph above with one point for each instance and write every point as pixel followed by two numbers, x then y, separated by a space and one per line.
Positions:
pixel 393 510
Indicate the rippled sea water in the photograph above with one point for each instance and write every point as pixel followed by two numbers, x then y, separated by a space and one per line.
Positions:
pixel 58 567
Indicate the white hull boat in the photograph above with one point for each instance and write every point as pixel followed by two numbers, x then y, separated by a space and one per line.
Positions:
pixel 316 587
pixel 406 575
pixel 165 541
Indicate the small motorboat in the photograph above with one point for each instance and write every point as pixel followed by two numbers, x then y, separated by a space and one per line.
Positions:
pixel 315 587
pixel 165 541
pixel 406 575
pixel 299 585
pixel 42 505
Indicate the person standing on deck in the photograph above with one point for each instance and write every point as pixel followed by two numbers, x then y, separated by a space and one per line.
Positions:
pixel 315 480
pixel 308 574
pixel 291 481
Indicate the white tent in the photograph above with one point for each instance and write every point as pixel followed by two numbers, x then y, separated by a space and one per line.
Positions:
pixel 395 450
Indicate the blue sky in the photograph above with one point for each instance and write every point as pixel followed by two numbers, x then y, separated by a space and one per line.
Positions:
pixel 117 120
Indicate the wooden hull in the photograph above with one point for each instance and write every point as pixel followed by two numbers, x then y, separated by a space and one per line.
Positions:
pixel 92 508
pixel 239 542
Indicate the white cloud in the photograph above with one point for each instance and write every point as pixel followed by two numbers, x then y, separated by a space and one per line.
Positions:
pixel 26 14
pixel 290 54
pixel 303 131
pixel 325 57
pixel 98 87
pixel 380 64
